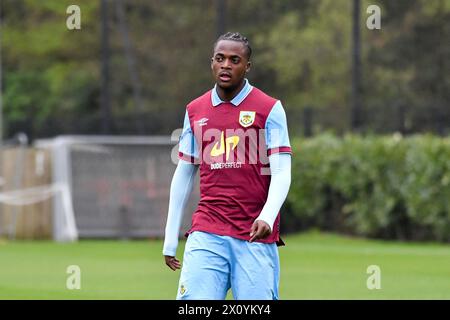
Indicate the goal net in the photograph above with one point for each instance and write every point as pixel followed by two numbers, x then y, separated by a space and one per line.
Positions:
pixel 118 186
pixel 27 192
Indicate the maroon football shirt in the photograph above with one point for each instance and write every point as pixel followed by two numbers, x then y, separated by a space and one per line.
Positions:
pixel 232 151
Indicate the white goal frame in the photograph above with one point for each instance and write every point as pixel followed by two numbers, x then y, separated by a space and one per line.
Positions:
pixel 64 221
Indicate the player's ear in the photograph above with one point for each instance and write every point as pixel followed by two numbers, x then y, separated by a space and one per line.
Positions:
pixel 247 68
pixel 212 60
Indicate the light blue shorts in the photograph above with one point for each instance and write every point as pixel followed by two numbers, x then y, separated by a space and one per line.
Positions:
pixel 213 264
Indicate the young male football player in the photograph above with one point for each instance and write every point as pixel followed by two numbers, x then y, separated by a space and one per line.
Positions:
pixel 237 136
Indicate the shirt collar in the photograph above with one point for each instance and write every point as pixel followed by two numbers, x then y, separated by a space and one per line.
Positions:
pixel 215 99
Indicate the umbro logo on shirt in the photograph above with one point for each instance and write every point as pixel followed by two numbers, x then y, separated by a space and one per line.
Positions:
pixel 202 122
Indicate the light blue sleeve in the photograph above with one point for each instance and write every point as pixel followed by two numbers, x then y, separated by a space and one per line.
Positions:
pixel 280 167
pixel 276 131
pixel 180 189
pixel 187 143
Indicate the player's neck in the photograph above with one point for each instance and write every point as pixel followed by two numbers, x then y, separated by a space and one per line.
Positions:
pixel 229 94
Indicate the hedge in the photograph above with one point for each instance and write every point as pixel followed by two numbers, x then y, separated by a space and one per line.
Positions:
pixel 389 187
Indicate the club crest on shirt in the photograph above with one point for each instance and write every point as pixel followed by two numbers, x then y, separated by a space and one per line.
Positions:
pixel 246 118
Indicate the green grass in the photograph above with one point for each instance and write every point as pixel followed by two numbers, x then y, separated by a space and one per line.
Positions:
pixel 313 266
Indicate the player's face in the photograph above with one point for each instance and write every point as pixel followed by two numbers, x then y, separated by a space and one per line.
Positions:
pixel 229 64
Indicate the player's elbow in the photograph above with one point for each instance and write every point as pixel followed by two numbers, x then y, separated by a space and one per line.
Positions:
pixel 287 181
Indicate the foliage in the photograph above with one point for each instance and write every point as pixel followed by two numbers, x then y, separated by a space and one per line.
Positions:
pixel 390 187
pixel 302 55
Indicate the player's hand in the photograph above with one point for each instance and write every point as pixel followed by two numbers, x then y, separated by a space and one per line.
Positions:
pixel 260 230
pixel 173 263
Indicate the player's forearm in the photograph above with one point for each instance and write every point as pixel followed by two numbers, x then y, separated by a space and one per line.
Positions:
pixel 280 167
pixel 180 189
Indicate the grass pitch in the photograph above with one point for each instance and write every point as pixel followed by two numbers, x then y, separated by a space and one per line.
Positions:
pixel 313 266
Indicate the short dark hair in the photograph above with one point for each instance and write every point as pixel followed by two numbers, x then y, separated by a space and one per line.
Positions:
pixel 236 36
